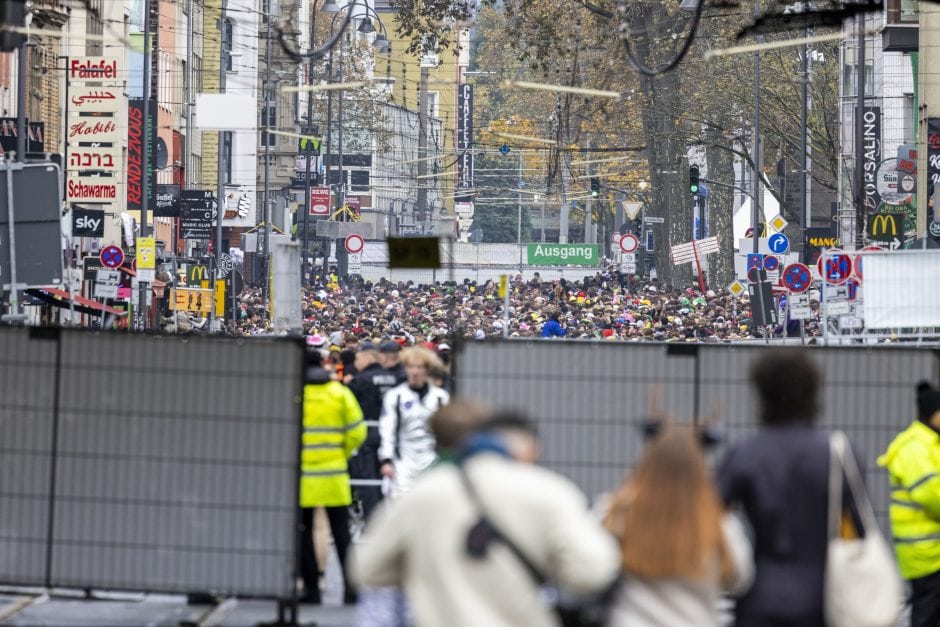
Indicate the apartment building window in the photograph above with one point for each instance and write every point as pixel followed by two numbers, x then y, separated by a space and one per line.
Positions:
pixel 433 99
pixel 227 157
pixel 269 120
pixel 228 44
pixel 197 74
pixel 902 11
pixel 94 26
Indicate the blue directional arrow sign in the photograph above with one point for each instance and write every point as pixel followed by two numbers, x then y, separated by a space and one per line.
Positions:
pixel 504 149
pixel 779 244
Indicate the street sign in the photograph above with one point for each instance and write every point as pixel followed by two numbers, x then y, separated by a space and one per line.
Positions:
pixel 799 307
pixel 106 283
pixel 779 244
pixel 771 263
pixel 838 267
pixel 414 252
pixel 736 288
pixel 190 299
pixel 504 150
pixel 778 223
pixel 111 256
pixel 796 277
pixel 654 220
pixel 934 228
pixel 628 257
pixel 629 243
pixel 755 260
pixel 146 254
pixel 354 263
pixel 354 244
pixel 857 265
pixel 852 286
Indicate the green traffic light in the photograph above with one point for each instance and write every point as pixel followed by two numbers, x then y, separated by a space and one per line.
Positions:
pixel 693 189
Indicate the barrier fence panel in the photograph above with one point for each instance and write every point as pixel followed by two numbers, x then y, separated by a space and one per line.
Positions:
pixel 589 399
pixel 868 393
pixel 175 463
pixel 27 405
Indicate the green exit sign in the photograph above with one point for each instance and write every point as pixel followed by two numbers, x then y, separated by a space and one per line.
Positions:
pixel 563 254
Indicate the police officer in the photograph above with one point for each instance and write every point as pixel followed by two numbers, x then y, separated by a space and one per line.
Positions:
pixel 390 360
pixel 913 464
pixel 333 430
pixel 367 386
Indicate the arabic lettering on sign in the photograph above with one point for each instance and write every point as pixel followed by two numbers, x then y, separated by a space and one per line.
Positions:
pixel 98 99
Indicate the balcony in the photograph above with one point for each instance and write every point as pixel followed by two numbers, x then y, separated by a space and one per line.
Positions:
pixel 901 26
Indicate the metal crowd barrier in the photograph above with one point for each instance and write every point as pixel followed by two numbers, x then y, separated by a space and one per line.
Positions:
pixel 150 463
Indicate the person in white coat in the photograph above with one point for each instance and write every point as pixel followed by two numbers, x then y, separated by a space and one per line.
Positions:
pixel 421 541
pixel 407 447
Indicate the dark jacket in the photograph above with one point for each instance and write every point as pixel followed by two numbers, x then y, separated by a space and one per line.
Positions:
pixel 366 387
pixel 780 478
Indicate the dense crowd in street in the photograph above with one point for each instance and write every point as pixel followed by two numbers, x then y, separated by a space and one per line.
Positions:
pixel 609 305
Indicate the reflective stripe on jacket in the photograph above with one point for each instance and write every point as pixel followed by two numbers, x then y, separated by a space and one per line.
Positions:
pixel 913 463
pixel 333 430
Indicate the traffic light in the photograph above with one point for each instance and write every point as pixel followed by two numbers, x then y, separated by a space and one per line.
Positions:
pixel 595 187
pixel 693 179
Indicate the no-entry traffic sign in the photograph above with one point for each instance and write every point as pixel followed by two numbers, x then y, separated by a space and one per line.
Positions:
pixel 629 243
pixel 354 244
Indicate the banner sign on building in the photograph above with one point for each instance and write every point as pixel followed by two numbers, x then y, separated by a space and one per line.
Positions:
pixel 319 201
pixel 563 254
pixel 87 222
pixel 816 240
pixel 871 154
pixel 464 139
pixel 933 151
pixel 198 213
pixel 167 203
pixel 35 132
pixel 141 136
pixel 94 159
pixel 907 158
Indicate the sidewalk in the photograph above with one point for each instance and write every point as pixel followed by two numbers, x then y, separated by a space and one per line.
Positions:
pixel 122 609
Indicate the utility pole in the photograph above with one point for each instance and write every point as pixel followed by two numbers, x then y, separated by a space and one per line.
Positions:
pixel 422 205
pixel 222 167
pixel 267 94
pixel 860 136
pixel 141 311
pixel 305 239
pixel 804 120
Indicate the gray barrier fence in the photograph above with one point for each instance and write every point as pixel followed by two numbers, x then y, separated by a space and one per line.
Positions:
pixel 153 463
pixel 589 398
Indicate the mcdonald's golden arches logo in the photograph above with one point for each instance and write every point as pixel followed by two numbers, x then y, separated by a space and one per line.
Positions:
pixel 884 226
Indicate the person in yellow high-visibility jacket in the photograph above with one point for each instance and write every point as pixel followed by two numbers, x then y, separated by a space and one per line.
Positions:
pixel 913 463
pixel 333 430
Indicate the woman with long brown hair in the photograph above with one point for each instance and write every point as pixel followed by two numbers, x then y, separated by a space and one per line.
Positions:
pixel 679 549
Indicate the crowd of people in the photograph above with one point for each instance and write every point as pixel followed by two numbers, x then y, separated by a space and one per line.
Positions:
pixel 472 531
pixel 610 305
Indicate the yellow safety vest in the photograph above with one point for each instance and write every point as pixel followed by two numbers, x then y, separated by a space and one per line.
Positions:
pixel 913 463
pixel 333 430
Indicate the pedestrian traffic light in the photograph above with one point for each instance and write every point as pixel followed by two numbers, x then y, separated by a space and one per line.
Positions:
pixel 693 179
pixel 595 186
